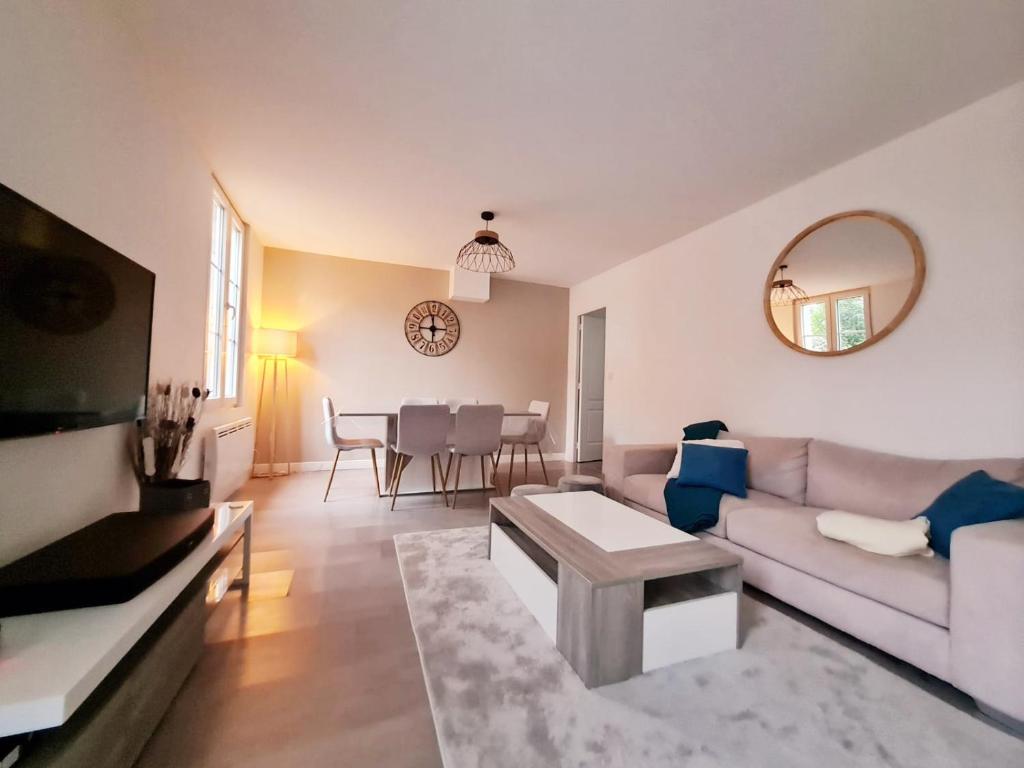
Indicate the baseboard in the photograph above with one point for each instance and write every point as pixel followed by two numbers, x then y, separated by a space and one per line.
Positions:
pixel 263 470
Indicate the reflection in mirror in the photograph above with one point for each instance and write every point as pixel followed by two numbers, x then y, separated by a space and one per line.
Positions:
pixel 844 282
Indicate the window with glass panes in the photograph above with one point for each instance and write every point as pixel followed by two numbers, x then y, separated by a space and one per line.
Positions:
pixel 833 321
pixel 224 301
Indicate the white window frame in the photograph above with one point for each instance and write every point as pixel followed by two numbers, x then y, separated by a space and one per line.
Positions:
pixel 225 300
pixel 831 300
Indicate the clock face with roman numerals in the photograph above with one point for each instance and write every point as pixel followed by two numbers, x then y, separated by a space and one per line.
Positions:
pixel 432 328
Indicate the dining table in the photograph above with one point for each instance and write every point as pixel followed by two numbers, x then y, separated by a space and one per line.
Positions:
pixel 417 475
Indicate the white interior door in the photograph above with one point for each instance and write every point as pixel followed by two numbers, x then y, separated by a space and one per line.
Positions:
pixel 590 389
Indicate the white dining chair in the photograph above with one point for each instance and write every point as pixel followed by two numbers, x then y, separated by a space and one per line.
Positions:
pixel 347 444
pixel 422 431
pixel 419 401
pixel 526 432
pixel 454 403
pixel 477 433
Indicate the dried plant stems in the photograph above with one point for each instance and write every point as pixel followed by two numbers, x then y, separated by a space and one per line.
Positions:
pixel 162 438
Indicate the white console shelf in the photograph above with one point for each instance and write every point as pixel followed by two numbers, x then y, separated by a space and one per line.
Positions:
pixel 51 662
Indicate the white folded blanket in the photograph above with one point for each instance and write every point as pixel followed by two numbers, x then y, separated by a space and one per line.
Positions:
pixel 873 534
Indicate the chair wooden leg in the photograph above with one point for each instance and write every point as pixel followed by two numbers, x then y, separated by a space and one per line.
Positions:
pixel 458 471
pixel 483 477
pixel 444 484
pixel 331 478
pixel 376 475
pixel 433 477
pixel 398 478
pixel 394 473
pixel 511 462
pixel 543 468
pixel 448 469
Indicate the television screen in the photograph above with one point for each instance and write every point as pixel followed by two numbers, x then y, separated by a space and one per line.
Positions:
pixel 75 321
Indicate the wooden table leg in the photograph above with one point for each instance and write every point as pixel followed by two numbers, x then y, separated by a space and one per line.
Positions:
pixel 600 629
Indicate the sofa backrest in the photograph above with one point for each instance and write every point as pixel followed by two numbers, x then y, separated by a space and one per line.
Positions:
pixel 885 485
pixel 775 465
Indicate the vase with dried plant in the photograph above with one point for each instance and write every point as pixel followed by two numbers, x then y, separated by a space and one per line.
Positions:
pixel 162 440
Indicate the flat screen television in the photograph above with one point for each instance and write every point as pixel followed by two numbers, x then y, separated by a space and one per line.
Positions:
pixel 75 324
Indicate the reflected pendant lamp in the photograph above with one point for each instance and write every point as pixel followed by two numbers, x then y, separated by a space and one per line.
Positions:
pixel 485 252
pixel 784 291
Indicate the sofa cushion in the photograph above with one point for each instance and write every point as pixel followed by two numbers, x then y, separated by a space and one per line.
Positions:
pixel 755 500
pixel 709 466
pixel 977 499
pixel 648 491
pixel 885 485
pixel 918 586
pixel 776 465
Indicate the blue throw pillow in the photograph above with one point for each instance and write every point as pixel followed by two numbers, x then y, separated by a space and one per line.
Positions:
pixel 711 466
pixel 977 498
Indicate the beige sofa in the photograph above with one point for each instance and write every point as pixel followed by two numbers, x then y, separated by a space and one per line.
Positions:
pixel 961 620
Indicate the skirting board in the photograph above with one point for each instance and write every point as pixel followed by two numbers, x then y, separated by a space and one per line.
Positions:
pixel 262 470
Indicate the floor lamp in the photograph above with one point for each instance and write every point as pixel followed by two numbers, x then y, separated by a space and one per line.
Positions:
pixel 274 347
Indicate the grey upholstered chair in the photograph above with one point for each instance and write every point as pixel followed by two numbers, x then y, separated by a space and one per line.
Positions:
pixel 526 433
pixel 419 401
pixel 454 403
pixel 477 433
pixel 457 402
pixel 347 444
pixel 422 431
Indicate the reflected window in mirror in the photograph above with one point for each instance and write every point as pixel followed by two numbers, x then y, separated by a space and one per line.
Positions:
pixel 835 321
pixel 843 283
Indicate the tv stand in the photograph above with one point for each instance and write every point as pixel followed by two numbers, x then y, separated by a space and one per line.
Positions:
pixel 101 678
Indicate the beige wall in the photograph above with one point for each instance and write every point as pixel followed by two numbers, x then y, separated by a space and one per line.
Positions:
pixel 687 338
pixel 82 137
pixel 349 315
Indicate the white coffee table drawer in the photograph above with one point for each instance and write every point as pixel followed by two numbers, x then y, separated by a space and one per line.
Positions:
pixel 532 585
pixel 689 629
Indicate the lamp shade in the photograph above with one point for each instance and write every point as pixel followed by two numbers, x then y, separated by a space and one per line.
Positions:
pixel 272 342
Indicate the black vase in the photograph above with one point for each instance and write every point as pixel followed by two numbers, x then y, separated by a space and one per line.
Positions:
pixel 174 495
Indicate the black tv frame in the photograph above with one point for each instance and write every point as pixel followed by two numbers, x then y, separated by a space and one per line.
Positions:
pixel 10 420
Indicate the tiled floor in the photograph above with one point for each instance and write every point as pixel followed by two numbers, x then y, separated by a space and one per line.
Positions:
pixel 329 675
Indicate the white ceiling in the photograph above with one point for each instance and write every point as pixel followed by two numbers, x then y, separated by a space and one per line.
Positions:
pixel 597 130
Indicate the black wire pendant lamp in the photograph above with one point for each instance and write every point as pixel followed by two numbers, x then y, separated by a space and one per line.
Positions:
pixel 785 291
pixel 485 252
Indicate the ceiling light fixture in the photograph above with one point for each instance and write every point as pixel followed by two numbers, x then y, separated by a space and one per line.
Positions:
pixel 784 291
pixel 485 252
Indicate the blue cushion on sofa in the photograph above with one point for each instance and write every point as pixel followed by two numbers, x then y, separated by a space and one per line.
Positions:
pixel 712 466
pixel 977 498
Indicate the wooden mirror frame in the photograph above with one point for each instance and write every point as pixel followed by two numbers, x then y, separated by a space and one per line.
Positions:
pixel 915 290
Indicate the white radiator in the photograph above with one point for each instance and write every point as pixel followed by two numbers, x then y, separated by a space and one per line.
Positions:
pixel 228 457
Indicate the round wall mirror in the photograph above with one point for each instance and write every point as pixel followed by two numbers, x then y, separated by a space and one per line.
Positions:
pixel 844 283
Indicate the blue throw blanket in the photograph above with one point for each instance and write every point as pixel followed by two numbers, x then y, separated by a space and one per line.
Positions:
pixel 693 508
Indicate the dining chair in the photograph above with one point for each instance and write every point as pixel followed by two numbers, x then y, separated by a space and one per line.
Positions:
pixel 419 401
pixel 526 433
pixel 347 444
pixel 422 431
pixel 454 403
pixel 477 433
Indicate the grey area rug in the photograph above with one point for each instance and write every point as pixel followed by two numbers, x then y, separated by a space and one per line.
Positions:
pixel 502 695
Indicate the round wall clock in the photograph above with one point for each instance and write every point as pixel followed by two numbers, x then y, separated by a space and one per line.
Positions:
pixel 432 328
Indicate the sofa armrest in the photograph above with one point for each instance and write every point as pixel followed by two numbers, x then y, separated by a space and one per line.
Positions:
pixel 621 461
pixel 986 621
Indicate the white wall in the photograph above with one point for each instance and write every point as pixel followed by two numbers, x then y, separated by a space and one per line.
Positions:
pixel 687 337
pixel 81 137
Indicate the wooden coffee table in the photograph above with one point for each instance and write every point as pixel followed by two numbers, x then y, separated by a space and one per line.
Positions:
pixel 619 592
